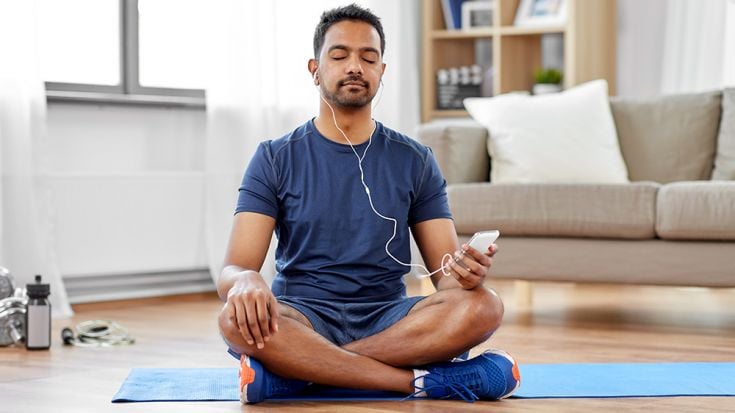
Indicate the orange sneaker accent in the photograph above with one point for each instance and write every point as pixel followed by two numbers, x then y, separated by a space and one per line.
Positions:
pixel 247 375
pixel 516 372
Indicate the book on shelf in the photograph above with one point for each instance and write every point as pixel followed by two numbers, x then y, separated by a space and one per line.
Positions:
pixel 452 10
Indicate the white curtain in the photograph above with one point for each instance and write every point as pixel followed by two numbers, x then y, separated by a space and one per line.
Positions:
pixel 695 45
pixel 25 216
pixel 729 56
pixel 261 89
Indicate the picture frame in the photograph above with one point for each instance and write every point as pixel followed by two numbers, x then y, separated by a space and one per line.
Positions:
pixel 541 13
pixel 477 14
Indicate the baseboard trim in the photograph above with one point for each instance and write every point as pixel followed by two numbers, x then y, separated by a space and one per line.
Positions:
pixel 112 287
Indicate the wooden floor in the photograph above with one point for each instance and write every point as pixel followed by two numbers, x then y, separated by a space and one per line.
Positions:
pixel 568 323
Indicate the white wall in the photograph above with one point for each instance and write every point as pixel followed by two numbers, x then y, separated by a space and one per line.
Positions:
pixel 126 187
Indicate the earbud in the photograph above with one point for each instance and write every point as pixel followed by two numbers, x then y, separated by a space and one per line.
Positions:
pixel 314 77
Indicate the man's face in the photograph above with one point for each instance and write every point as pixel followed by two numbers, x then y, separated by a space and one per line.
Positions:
pixel 350 64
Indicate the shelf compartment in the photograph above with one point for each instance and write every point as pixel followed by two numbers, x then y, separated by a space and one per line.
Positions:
pixel 520 56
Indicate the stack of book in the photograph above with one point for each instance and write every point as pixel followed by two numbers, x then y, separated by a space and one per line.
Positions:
pixel 452 10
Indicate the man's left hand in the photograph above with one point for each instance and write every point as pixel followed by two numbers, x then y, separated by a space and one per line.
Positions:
pixel 470 266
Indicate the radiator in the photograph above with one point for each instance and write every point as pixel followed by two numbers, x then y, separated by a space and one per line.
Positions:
pixel 107 287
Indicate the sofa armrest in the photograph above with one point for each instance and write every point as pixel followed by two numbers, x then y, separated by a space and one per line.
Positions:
pixel 460 148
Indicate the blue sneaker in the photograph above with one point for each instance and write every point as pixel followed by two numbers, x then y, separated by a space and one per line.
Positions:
pixel 462 357
pixel 492 375
pixel 258 384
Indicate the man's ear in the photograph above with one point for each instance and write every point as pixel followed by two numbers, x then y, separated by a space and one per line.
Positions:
pixel 313 67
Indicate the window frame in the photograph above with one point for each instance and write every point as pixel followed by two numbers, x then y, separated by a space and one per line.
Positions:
pixel 129 90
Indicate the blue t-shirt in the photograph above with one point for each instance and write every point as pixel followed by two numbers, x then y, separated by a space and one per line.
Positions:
pixel 331 245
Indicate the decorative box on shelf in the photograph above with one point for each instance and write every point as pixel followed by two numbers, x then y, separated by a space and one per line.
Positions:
pixel 451 96
pixel 455 84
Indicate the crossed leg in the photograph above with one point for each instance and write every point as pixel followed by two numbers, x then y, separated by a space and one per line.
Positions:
pixel 437 328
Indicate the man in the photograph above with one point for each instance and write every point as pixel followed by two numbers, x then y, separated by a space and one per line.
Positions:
pixel 334 190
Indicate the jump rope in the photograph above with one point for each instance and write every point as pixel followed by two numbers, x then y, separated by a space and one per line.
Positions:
pixel 446 258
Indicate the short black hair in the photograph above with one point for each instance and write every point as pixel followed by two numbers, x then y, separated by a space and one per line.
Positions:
pixel 351 12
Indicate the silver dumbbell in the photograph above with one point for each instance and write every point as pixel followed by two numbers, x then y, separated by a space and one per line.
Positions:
pixel 12 311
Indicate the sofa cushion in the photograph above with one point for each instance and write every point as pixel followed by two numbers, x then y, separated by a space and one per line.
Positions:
pixel 696 211
pixel 459 147
pixel 559 137
pixel 669 138
pixel 574 210
pixel 725 158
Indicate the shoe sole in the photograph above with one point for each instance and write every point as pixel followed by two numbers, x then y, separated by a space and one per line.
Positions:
pixel 247 377
pixel 516 372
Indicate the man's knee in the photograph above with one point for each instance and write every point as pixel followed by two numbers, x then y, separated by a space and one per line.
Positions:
pixel 230 332
pixel 482 309
pixel 489 308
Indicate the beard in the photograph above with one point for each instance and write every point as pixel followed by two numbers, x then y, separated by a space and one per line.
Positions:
pixel 346 99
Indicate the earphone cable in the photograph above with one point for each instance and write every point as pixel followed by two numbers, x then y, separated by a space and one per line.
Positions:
pixel 97 333
pixel 445 258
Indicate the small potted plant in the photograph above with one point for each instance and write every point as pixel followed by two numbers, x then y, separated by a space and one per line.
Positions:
pixel 547 81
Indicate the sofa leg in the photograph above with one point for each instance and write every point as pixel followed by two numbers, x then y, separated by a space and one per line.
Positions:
pixel 524 295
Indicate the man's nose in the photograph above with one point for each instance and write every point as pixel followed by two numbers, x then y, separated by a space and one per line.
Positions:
pixel 354 65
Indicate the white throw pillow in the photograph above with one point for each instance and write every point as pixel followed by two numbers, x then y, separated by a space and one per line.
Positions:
pixel 562 137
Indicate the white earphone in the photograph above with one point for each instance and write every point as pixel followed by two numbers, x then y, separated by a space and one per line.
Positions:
pixel 446 257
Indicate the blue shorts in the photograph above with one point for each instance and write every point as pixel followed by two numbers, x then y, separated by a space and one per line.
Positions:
pixel 345 322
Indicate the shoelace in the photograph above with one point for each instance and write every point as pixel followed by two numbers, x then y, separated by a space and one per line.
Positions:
pixel 456 386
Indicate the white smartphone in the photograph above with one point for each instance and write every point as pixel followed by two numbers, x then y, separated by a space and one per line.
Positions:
pixel 482 240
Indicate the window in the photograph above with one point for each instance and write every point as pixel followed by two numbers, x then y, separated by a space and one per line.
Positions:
pixel 143 51
pixel 171 50
pixel 74 48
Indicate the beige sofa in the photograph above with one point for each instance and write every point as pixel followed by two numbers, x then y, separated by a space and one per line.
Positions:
pixel 671 225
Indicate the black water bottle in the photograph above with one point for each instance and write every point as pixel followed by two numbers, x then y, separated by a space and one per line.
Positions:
pixel 38 316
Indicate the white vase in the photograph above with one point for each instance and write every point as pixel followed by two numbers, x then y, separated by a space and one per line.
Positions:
pixel 543 88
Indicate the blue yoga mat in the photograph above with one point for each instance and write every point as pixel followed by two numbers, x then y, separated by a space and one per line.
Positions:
pixel 538 381
pixel 162 385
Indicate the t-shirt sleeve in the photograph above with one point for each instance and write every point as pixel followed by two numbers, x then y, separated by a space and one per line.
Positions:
pixel 431 200
pixel 258 190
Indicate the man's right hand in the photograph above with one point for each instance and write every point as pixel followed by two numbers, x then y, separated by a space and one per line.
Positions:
pixel 253 308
